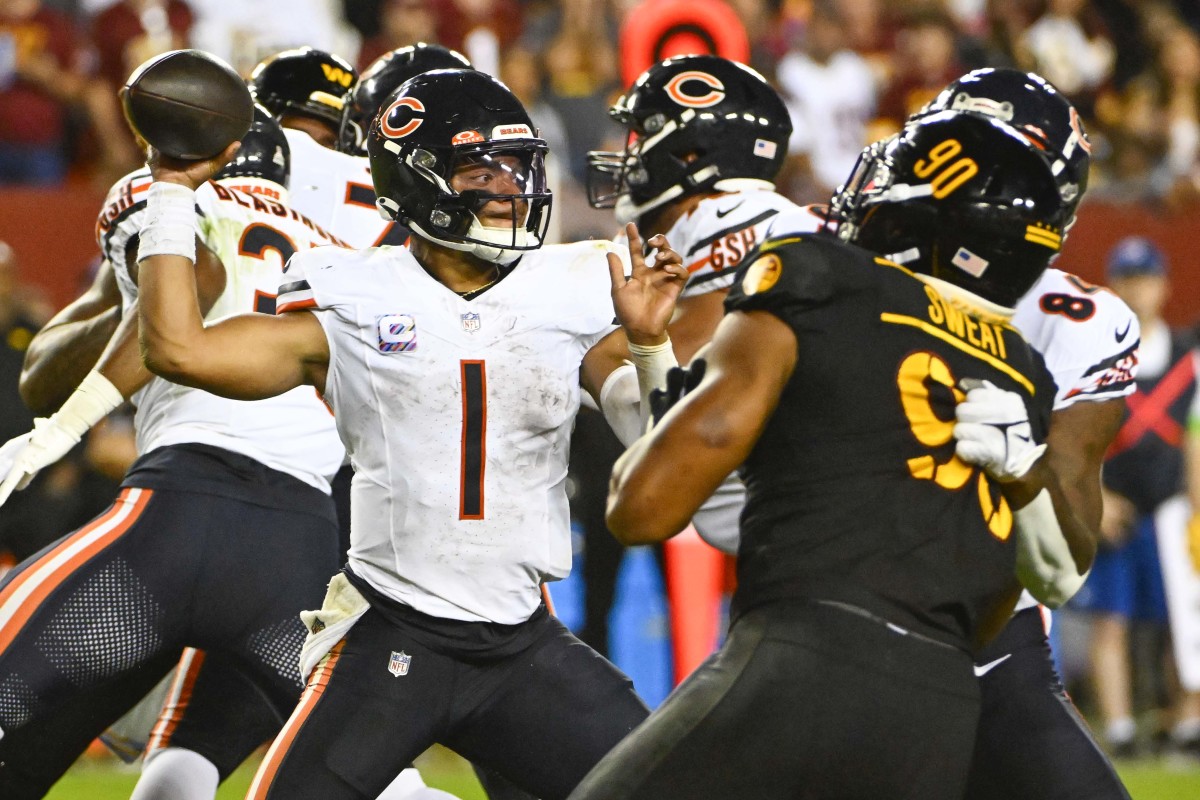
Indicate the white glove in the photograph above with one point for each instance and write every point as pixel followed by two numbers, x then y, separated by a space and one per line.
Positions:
pixel 993 431
pixel 53 437
pixel 9 452
pixel 44 445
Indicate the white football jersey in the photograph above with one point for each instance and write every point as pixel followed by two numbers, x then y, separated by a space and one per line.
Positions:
pixel 457 416
pixel 718 233
pixel 1089 339
pixel 253 235
pixel 1087 335
pixel 334 189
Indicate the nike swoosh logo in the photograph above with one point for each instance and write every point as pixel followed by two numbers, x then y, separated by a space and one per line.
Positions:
pixel 980 671
pixel 729 210
pixel 1122 334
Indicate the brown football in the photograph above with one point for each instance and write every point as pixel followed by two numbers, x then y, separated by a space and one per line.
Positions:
pixel 188 104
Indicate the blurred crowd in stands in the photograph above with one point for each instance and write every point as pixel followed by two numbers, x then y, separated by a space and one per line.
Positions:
pixel 849 69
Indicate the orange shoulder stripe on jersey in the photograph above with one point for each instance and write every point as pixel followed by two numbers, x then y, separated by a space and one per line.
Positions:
pixel 296 305
pixel 178 698
pixel 698 264
pixel 283 742
pixel 25 594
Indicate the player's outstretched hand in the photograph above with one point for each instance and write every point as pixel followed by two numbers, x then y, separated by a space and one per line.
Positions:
pixel 646 300
pixel 993 432
pixel 680 381
pixel 192 174
pixel 25 456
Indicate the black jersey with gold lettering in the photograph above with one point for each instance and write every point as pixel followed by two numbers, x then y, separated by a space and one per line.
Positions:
pixel 855 492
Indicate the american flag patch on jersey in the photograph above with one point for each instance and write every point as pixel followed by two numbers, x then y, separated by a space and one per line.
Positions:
pixel 397 333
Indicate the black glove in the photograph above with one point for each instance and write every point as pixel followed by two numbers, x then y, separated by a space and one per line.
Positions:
pixel 680 381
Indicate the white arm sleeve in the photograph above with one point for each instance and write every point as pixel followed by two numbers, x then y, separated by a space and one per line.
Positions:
pixel 1044 562
pixel 621 402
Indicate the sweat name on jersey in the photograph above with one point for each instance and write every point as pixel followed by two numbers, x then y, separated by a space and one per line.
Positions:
pixel 986 336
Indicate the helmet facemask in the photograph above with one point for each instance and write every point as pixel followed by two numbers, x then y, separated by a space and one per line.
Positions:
pixel 661 162
pixel 692 122
pixel 963 199
pixel 455 218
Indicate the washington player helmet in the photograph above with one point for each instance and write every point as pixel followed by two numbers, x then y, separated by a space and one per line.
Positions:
pixel 444 120
pixel 1029 103
pixel 965 198
pixel 381 78
pixel 264 153
pixel 692 122
pixel 304 81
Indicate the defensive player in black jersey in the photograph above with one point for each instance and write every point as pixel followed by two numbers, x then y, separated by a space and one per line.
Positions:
pixel 881 538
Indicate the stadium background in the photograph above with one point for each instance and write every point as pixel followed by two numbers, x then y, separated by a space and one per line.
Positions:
pixel 850 70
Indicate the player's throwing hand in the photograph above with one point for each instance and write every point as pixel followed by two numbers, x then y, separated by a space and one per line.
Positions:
pixel 192 174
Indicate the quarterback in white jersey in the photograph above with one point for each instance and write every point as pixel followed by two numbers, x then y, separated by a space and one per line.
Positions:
pixel 503 370
pixel 453 369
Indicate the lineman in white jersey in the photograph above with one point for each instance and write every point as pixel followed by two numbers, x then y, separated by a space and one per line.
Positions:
pixel 222 531
pixel 706 138
pixel 454 372
pixel 1031 741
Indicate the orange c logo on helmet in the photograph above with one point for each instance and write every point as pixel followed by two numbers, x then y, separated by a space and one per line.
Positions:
pixel 714 94
pixel 393 132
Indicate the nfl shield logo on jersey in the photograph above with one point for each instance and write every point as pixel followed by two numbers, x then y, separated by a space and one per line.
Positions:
pixel 470 322
pixel 398 665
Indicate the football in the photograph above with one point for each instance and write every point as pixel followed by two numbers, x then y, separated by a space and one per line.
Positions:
pixel 188 104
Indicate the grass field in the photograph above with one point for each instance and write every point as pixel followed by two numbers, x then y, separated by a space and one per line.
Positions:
pixel 107 780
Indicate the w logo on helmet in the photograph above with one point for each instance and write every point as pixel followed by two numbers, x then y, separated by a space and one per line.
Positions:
pixel 393 114
pixel 335 74
pixel 703 90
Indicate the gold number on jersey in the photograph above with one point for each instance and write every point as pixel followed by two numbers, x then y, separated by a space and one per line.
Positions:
pixel 945 175
pixel 917 372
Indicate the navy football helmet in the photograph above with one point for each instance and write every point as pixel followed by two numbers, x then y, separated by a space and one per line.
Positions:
pixel 1029 103
pixel 444 120
pixel 264 153
pixel 304 81
pixel 965 198
pixel 692 122
pixel 381 78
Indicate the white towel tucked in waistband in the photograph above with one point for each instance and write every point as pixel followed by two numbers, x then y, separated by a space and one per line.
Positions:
pixel 342 607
